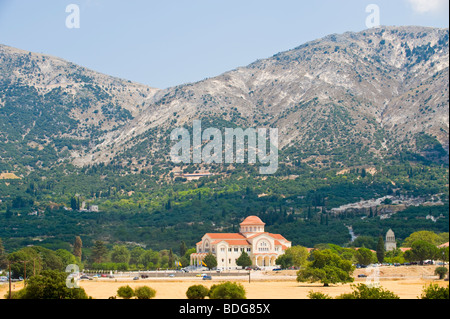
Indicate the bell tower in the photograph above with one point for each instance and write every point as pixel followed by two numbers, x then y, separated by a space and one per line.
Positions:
pixel 390 243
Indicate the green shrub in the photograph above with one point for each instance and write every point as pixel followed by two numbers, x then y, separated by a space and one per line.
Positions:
pixel 125 292
pixel 318 295
pixel 433 291
pixel 20 294
pixel 144 292
pixel 227 290
pixel 49 284
pixel 441 271
pixel 197 292
pixel 211 289
pixel 362 291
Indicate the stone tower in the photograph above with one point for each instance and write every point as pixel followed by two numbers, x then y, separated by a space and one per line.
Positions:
pixel 389 243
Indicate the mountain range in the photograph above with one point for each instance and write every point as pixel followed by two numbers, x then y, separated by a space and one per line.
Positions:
pixel 345 99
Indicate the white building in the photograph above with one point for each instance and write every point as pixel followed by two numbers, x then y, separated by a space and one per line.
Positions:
pixel 263 248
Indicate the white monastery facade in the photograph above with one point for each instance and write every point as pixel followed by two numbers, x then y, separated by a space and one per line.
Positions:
pixel 263 248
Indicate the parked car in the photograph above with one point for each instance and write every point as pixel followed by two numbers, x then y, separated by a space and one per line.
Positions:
pixel 276 269
pixel 253 268
pixel 362 276
pixel 172 275
pixel 136 278
pixel 207 277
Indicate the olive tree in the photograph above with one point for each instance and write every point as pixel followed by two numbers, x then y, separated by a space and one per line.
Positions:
pixel 326 267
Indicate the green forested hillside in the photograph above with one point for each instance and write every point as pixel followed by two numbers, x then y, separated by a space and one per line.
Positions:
pixel 159 212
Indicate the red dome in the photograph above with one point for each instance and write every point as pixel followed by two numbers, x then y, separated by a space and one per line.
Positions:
pixel 252 220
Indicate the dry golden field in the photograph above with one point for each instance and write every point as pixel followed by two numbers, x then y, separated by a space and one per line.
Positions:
pixel 405 281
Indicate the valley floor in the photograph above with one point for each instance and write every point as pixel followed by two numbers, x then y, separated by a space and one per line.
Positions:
pixel 405 281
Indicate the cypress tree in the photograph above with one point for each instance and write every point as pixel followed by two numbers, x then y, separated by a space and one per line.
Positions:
pixel 3 260
pixel 183 248
pixel 77 247
pixel 171 259
pixel 99 252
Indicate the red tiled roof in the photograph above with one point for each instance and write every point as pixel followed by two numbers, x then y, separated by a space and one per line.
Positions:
pixel 443 245
pixel 283 247
pixel 239 239
pixel 252 220
pixel 225 236
pixel 274 236
pixel 277 236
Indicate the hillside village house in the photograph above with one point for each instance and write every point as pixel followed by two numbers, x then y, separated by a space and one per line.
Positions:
pixel 263 248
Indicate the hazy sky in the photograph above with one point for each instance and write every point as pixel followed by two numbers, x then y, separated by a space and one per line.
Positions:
pixel 171 42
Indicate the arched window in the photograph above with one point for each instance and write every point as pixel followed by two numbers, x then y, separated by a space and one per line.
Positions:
pixel 263 245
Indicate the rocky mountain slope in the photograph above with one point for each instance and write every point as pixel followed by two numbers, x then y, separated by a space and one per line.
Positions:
pixel 51 109
pixel 342 100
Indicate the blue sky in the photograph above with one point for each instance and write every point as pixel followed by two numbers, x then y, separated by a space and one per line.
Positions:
pixel 171 42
